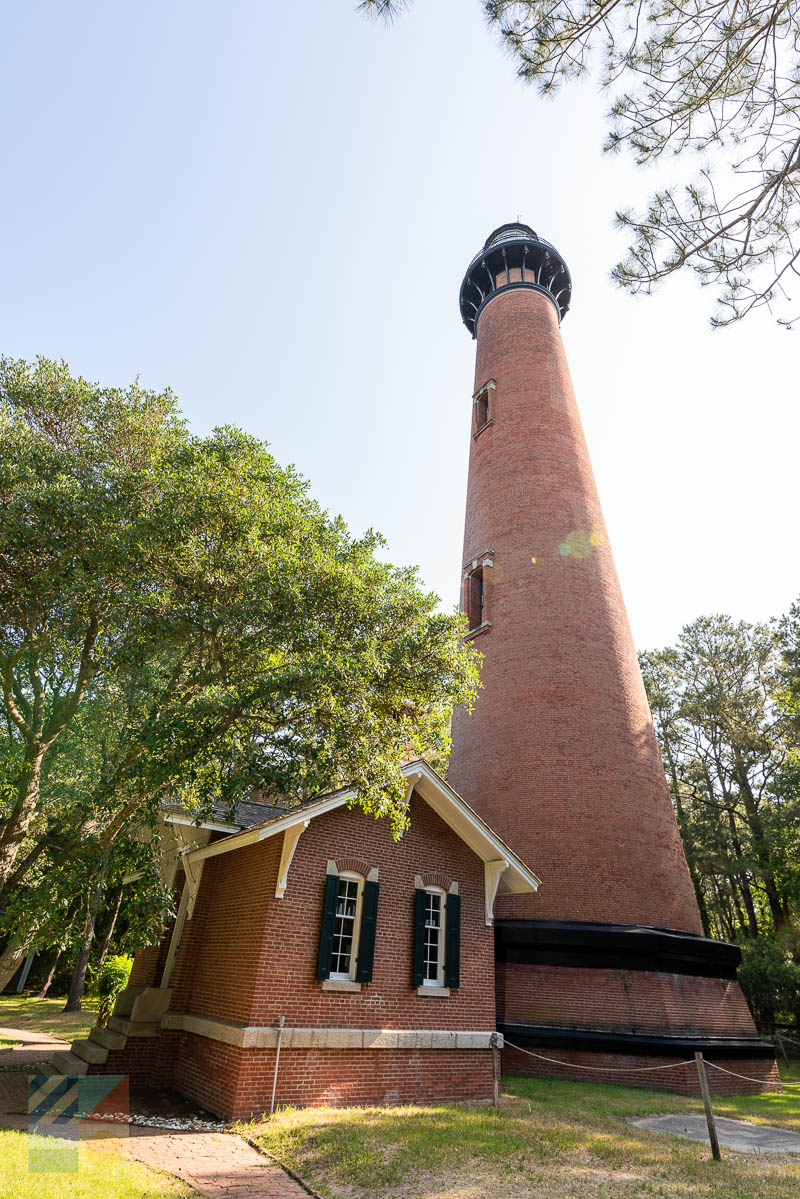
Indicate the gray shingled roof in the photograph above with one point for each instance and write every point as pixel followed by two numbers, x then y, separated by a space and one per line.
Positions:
pixel 247 813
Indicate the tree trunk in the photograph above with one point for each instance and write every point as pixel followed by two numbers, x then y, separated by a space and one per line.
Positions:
pixel 777 909
pixel 110 930
pixel 78 983
pixel 22 869
pixel 21 815
pixel 10 960
pixel 744 925
pixel 55 958
pixel 688 846
pixel 723 915
pixel 742 879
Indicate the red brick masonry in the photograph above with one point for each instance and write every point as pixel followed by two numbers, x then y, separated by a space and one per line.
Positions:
pixel 631 1001
pixel 559 756
pixel 247 959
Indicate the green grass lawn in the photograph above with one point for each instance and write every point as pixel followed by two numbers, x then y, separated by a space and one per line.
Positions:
pixel 102 1173
pixel 46 1016
pixel 562 1140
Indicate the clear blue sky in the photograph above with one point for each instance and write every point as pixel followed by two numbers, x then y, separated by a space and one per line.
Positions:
pixel 270 208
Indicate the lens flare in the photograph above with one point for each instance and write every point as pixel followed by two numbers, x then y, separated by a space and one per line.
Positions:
pixel 579 543
pixel 533 561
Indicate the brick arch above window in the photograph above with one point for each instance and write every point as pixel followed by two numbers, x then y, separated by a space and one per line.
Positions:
pixel 434 878
pixel 353 866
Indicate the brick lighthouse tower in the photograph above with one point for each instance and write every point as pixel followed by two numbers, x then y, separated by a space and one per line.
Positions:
pixel 607 962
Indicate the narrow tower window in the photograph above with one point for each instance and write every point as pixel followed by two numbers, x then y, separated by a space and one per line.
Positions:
pixel 476 591
pixel 475 599
pixel 483 403
pixel 482 409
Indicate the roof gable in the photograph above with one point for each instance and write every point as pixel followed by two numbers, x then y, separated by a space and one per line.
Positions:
pixel 504 871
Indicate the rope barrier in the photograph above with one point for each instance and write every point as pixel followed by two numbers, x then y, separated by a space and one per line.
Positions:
pixel 638 1069
pixel 596 1069
pixel 746 1077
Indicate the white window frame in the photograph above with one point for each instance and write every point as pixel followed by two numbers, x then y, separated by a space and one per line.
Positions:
pixel 350 876
pixel 439 980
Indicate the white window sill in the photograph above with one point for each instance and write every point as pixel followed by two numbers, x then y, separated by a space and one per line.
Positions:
pixel 340 984
pixel 433 992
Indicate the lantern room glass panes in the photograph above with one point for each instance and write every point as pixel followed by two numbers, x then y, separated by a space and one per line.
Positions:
pixel 344 929
pixel 432 964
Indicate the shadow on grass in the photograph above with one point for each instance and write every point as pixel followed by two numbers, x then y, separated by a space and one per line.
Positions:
pixel 552 1137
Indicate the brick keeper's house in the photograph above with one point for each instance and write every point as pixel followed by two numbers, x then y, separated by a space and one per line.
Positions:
pixel 364 966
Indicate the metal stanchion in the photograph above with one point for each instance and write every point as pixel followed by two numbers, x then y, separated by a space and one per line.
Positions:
pixel 281 1023
pixel 495 1071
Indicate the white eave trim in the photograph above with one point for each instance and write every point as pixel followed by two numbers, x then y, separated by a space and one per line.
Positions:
pixel 213 825
pixel 514 878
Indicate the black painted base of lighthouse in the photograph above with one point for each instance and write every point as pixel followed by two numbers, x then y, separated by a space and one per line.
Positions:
pixel 614 947
pixel 617 994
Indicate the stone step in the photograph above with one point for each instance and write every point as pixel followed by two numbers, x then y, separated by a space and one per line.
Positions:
pixel 134 1028
pixel 119 1024
pixel 94 1054
pixel 68 1063
pixel 126 999
pixel 108 1038
pixel 150 1006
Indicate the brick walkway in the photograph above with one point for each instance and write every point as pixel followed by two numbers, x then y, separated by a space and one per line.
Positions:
pixel 34 1047
pixel 215 1164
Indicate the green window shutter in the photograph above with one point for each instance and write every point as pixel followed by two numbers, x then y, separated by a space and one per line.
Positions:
pixel 328 922
pixel 452 944
pixel 366 936
pixel 418 967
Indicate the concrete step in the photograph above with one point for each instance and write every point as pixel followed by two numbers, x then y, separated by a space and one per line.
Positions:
pixel 118 1024
pixel 68 1063
pixel 150 1006
pixel 108 1038
pixel 126 999
pixel 134 1028
pixel 94 1054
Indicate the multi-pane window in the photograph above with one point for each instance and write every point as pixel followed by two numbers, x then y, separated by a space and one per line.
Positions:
pixel 434 939
pixel 436 960
pixel 345 928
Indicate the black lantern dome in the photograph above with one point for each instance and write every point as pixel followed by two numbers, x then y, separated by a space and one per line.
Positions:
pixel 514 247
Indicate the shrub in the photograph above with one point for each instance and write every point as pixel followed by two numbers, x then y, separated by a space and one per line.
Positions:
pixel 112 979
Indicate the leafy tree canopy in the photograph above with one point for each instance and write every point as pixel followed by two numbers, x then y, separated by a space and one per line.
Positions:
pixel 719 79
pixel 178 618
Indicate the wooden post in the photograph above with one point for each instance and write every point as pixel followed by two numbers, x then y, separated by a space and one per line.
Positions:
pixel 712 1127
pixel 781 1047
pixel 495 1071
